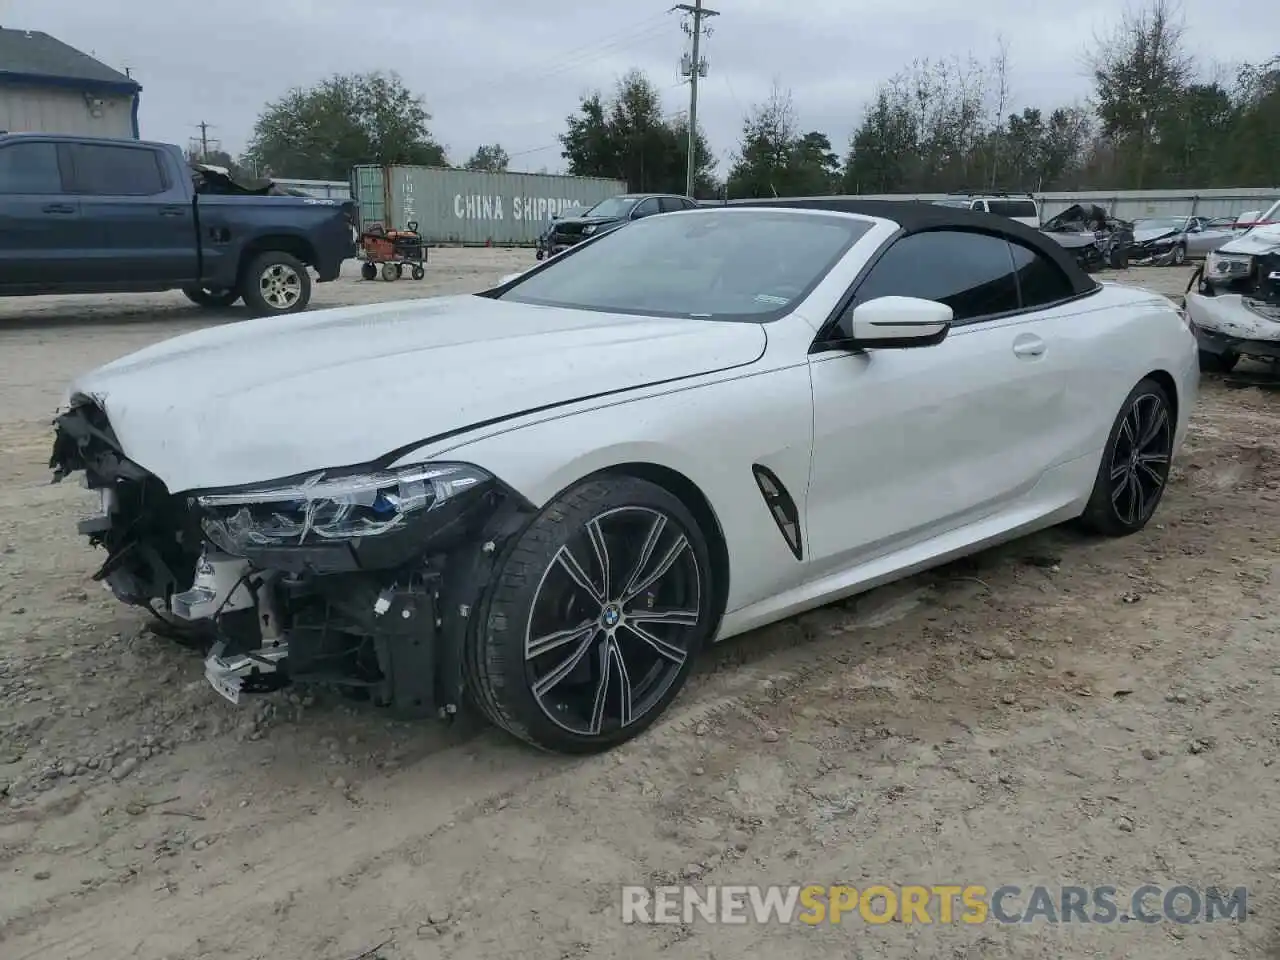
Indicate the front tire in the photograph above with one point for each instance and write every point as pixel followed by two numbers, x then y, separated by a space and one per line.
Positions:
pixel 1179 254
pixel 596 615
pixel 276 283
pixel 1135 464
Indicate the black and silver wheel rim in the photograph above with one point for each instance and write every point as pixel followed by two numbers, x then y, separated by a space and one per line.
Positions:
pixel 612 621
pixel 1140 459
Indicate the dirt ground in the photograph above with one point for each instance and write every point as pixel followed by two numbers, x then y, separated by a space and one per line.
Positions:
pixel 1058 711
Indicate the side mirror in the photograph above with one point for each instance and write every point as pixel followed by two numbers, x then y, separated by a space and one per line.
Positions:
pixel 898 322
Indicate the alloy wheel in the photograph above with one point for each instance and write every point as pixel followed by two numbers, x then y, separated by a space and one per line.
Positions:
pixel 612 621
pixel 281 286
pixel 1140 459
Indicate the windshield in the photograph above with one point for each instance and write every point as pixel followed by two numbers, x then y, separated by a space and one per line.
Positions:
pixel 962 204
pixel 752 266
pixel 613 207
pixel 1161 223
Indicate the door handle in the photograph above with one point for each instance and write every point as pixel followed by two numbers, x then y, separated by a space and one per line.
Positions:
pixel 1028 347
pixel 172 211
pixel 58 208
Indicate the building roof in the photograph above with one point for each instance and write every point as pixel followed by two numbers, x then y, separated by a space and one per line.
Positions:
pixel 916 217
pixel 34 57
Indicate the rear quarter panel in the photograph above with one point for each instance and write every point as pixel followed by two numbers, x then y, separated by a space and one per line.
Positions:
pixel 1121 335
pixel 229 224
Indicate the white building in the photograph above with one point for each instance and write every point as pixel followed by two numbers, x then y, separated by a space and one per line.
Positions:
pixel 49 87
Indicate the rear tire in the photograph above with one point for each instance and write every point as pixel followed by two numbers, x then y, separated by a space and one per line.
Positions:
pixel 368 271
pixel 1135 464
pixel 276 283
pixel 594 618
pixel 206 297
pixel 1223 362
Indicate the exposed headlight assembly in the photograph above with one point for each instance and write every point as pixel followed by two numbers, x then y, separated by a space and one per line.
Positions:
pixel 589 229
pixel 324 508
pixel 1227 266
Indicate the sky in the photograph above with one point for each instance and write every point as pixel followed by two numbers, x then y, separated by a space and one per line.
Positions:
pixel 510 71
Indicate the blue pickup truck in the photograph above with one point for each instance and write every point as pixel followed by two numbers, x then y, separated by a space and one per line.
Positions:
pixel 86 215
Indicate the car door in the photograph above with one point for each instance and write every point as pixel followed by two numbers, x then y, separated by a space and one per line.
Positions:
pixel 141 226
pixel 1203 237
pixel 909 443
pixel 39 221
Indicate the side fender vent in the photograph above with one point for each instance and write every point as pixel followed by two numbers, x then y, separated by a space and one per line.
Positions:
pixel 781 506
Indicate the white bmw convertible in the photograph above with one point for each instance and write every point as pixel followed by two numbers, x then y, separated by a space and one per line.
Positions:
pixel 546 498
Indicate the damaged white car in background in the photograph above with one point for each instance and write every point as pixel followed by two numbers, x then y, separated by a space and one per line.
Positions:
pixel 1235 310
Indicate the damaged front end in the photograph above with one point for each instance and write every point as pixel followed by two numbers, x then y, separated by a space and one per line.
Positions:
pixel 1235 309
pixel 1156 252
pixel 1096 239
pixel 362 578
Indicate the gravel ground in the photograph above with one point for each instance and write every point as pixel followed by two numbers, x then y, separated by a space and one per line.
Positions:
pixel 1060 710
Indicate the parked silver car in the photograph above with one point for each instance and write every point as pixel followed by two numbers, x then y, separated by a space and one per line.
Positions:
pixel 1171 241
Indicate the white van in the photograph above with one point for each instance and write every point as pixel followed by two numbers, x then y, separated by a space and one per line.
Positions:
pixel 1023 209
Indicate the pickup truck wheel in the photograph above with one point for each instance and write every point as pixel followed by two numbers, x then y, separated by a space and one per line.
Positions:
pixel 276 283
pixel 206 297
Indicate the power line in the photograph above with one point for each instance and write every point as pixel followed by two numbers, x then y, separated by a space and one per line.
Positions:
pixel 575 57
pixel 695 67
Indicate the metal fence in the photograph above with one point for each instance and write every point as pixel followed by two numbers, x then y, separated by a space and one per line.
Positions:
pixel 467 207
pixel 323 189
pixel 1134 204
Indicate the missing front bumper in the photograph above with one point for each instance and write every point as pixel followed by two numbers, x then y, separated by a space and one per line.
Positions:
pixel 1226 324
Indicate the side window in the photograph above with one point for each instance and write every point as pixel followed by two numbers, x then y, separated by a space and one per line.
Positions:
pixel 30 168
pixel 646 208
pixel 980 205
pixel 972 273
pixel 111 171
pixel 1040 279
pixel 690 204
pixel 672 204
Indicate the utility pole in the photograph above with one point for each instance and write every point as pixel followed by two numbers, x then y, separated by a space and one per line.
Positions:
pixel 694 66
pixel 204 141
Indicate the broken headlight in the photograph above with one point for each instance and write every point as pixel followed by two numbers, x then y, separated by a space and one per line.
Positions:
pixel 1227 266
pixel 324 508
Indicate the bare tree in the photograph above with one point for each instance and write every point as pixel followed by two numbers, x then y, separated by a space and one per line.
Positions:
pixel 1001 96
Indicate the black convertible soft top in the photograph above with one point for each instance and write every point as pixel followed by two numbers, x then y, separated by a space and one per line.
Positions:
pixel 916 217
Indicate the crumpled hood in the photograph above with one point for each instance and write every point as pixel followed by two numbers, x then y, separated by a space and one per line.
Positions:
pixel 1259 240
pixel 1153 233
pixel 268 398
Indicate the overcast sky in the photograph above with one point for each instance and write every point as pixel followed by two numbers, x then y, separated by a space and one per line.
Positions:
pixel 511 70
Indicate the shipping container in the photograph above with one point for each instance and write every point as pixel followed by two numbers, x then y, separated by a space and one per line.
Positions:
pixel 1134 204
pixel 467 207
